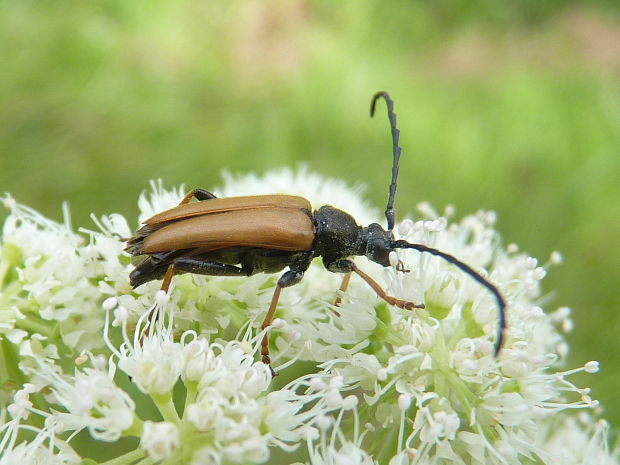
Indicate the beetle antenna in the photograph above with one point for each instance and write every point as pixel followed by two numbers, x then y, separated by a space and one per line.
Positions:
pixel 501 303
pixel 389 211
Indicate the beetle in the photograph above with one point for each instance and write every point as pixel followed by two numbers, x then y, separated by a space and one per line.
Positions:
pixel 241 236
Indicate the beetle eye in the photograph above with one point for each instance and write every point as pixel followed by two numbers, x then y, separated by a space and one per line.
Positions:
pixel 379 255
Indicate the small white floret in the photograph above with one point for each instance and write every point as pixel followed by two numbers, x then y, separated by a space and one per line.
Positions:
pixel 9 202
pixel 592 367
pixel 161 297
pixel 562 349
pixel 336 382
pixel 110 303
pixel 404 401
pixel 121 314
pixel 21 406
pixel 317 384
pixel 556 257
pixel 246 347
pixel 323 422
pixel 160 439
pixel 531 263
pixel 350 402
pixel 294 335
pixel 333 399
pixel 405 227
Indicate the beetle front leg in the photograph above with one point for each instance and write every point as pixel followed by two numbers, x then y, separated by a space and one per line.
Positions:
pixel 348 266
pixel 290 278
pixel 200 194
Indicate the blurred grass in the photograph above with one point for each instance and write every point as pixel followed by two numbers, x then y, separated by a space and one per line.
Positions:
pixel 514 109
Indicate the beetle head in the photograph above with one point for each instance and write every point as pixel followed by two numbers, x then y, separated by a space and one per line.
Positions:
pixel 379 244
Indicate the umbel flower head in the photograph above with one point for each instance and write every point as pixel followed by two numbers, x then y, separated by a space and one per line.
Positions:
pixel 368 384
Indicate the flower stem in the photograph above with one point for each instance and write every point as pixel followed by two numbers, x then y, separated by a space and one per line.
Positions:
pixel 124 459
pixel 190 396
pixel 33 325
pixel 166 407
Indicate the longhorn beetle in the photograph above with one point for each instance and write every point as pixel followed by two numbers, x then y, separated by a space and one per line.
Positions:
pixel 241 236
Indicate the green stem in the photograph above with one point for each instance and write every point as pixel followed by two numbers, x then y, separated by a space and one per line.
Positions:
pixel 10 290
pixel 191 393
pixel 8 367
pixel 35 325
pixel 124 459
pixel 387 334
pixel 187 428
pixel 166 407
pixel 388 447
pixel 4 268
pixel 12 377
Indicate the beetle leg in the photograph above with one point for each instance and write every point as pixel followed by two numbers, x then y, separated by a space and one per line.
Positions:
pixel 198 266
pixel 350 266
pixel 289 278
pixel 343 288
pixel 264 351
pixel 200 194
pixel 165 285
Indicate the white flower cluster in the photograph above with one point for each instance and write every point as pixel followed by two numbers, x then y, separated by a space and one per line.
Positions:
pixel 363 383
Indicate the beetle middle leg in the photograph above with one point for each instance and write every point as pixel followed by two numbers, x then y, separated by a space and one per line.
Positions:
pixel 289 278
pixel 346 279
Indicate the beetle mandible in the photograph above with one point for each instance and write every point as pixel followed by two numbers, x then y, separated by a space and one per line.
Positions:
pixel 241 236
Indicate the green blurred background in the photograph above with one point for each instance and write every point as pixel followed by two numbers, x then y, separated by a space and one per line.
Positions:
pixel 510 106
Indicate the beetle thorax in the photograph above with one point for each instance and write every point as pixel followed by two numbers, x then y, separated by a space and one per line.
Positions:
pixel 338 235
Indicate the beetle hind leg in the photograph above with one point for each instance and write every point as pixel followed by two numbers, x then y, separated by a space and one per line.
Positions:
pixel 154 310
pixel 188 265
pixel 205 267
pixel 200 194
pixel 165 285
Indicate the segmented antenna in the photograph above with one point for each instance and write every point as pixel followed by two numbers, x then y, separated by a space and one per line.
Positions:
pixel 501 303
pixel 389 211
